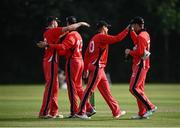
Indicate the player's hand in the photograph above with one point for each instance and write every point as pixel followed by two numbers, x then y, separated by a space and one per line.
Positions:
pixel 127 51
pixel 42 44
pixel 132 27
pixel 128 27
pixel 85 24
pixel 85 74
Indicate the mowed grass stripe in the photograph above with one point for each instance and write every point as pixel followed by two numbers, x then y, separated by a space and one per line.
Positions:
pixel 20 104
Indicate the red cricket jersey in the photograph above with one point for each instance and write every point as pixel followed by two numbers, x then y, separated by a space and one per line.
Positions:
pixel 142 41
pixel 51 36
pixel 97 49
pixel 72 44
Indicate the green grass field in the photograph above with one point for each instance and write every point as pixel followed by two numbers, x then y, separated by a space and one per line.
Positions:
pixel 19 107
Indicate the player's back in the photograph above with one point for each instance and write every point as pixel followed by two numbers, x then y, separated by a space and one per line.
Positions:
pixel 96 51
pixel 75 40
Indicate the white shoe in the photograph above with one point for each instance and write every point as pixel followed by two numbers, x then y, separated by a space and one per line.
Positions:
pixel 121 114
pixel 147 114
pixel 89 114
pixel 154 109
pixel 136 117
pixel 56 116
pixel 84 116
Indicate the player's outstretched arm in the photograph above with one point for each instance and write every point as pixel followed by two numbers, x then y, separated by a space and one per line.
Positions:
pixel 74 26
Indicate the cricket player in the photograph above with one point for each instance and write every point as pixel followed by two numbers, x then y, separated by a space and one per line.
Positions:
pixel 49 108
pixel 72 44
pixel 94 63
pixel 140 67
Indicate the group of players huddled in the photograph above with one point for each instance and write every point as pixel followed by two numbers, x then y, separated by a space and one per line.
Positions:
pixel 66 41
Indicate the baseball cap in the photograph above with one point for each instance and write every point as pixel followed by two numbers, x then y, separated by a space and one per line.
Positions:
pixel 71 19
pixel 51 18
pixel 102 23
pixel 137 20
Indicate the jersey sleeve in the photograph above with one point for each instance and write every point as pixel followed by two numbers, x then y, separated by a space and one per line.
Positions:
pixel 141 46
pixel 108 39
pixel 68 43
pixel 134 37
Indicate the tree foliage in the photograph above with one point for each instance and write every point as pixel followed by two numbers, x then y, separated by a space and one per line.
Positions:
pixel 21 20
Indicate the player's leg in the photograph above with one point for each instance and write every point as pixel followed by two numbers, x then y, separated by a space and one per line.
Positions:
pixel 137 87
pixel 79 85
pixel 72 69
pixel 47 91
pixel 105 91
pixel 94 78
pixel 54 96
pixel 142 108
pixel 140 89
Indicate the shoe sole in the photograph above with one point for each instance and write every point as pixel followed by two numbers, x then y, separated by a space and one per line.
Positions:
pixel 78 116
pixel 142 118
pixel 91 114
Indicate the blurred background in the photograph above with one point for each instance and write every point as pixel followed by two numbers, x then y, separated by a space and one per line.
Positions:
pixel 23 20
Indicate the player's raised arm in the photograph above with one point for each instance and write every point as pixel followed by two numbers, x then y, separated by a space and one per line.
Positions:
pixel 133 35
pixel 109 39
pixel 105 38
pixel 74 26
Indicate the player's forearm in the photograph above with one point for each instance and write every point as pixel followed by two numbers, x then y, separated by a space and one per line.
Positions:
pixel 114 39
pixel 139 52
pixel 57 46
pixel 74 26
pixel 134 53
pixel 123 34
pixel 108 39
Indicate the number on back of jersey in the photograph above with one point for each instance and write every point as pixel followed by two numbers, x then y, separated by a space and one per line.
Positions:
pixel 91 46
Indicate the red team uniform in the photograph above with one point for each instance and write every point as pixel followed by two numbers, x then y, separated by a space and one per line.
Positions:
pixel 140 68
pixel 74 68
pixel 95 61
pixel 50 68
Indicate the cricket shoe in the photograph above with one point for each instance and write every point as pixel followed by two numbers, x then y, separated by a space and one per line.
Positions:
pixel 89 114
pixel 83 116
pixel 121 114
pixel 71 116
pixel 51 116
pixel 154 109
pixel 137 117
pixel 147 114
pixel 58 116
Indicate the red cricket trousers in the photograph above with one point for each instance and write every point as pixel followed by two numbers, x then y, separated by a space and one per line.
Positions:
pixel 74 70
pixel 137 83
pixel 50 98
pixel 97 78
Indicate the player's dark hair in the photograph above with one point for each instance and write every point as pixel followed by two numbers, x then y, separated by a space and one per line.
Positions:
pixel 71 20
pixel 137 20
pixel 49 19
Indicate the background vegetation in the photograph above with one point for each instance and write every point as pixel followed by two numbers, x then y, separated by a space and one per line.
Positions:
pixel 22 22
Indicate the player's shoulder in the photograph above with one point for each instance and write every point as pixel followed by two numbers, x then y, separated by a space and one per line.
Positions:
pixel 98 36
pixel 143 33
pixel 74 34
